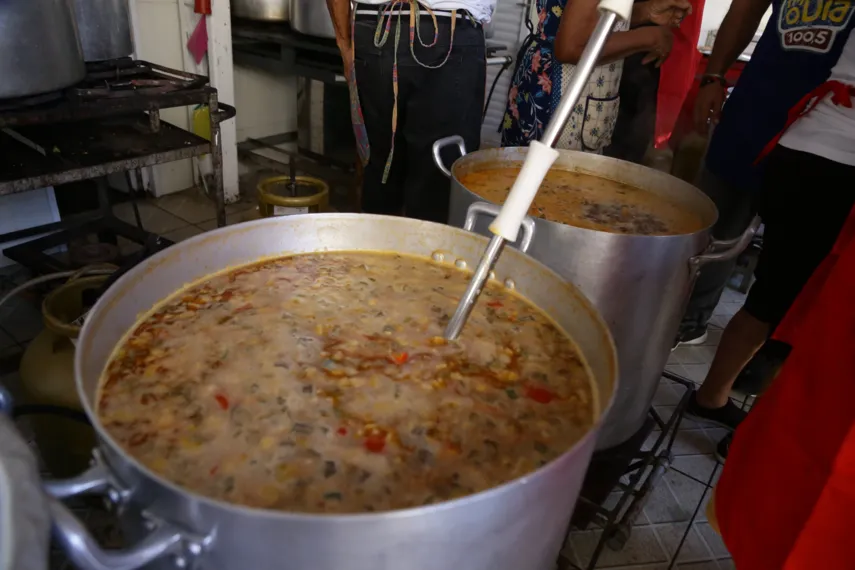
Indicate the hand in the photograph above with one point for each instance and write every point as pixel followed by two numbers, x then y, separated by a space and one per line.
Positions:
pixel 661 41
pixel 667 12
pixel 708 107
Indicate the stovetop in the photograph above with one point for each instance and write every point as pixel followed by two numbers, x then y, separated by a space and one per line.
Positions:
pixel 110 88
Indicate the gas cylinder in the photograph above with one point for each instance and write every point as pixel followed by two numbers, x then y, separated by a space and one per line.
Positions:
pixel 47 379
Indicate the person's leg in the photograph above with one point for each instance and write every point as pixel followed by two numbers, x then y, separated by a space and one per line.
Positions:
pixel 445 101
pixel 735 211
pixel 800 231
pixel 374 82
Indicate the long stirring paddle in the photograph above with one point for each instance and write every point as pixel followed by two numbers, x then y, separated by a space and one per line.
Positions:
pixel 540 158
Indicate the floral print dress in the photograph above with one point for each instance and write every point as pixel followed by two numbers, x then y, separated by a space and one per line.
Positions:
pixel 539 81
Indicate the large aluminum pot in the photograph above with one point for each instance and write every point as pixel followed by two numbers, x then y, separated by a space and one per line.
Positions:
pixel 517 526
pixel 312 18
pixel 105 29
pixel 263 10
pixel 39 47
pixel 640 284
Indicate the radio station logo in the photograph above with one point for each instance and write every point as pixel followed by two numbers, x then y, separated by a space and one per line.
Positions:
pixel 812 25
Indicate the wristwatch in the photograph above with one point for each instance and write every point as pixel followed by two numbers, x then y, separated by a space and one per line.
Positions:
pixel 709 78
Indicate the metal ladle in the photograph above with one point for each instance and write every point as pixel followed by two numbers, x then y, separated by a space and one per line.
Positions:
pixel 540 158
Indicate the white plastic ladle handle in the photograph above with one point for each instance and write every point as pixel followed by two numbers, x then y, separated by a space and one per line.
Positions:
pixel 541 156
pixel 621 8
pixel 538 161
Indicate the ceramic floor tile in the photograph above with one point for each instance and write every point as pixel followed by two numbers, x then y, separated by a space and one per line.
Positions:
pixel 665 412
pixel 720 321
pixel 732 296
pixel 698 466
pixel 713 540
pixel 666 394
pixel 692 442
pixel 183 233
pixel 662 506
pixel 189 205
pixel 153 218
pixel 21 319
pixel 676 368
pixel 694 549
pixel 700 354
pixel 568 552
pixel 697 373
pixel 715 434
pixel 641 548
pixel 672 358
pixel 689 494
pixel 713 337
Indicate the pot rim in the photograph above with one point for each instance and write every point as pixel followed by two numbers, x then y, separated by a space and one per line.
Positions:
pixel 105 439
pixel 462 161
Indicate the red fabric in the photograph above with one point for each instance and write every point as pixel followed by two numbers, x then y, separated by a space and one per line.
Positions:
pixel 786 498
pixel 678 73
pixel 841 94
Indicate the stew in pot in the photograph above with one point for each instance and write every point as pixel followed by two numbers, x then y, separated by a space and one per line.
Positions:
pixel 322 383
pixel 588 201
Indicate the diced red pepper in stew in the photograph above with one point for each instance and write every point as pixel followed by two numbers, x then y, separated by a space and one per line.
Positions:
pixel 399 358
pixel 375 440
pixel 539 395
pixel 495 304
pixel 246 307
pixel 342 431
pixel 222 401
pixel 375 444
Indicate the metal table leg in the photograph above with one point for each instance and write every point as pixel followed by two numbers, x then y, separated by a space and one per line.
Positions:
pixel 217 159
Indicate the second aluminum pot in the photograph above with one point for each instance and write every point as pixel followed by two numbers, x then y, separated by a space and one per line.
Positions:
pixel 520 525
pixel 640 284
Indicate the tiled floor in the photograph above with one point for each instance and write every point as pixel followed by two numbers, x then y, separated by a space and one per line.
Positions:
pixel 676 505
pixel 679 501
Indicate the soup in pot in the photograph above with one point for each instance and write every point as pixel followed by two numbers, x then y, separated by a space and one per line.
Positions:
pixel 588 201
pixel 321 383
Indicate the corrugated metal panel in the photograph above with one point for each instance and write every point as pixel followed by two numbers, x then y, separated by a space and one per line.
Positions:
pixel 508 23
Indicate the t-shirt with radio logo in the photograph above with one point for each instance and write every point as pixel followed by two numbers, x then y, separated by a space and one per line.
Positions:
pixel 801 43
pixel 812 25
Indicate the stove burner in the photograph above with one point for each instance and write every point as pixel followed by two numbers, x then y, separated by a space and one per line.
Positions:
pixel 93 253
pixel 128 78
pixel 29 101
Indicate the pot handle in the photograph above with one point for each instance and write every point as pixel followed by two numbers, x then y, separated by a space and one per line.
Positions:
pixel 84 552
pixel 441 144
pixel 725 250
pixel 528 226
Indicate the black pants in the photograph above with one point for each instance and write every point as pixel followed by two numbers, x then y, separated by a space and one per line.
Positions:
pixel 804 202
pixel 432 104
pixel 636 122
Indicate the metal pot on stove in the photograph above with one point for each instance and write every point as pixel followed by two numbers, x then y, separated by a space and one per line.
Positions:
pixel 39 47
pixel 519 525
pixel 639 283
